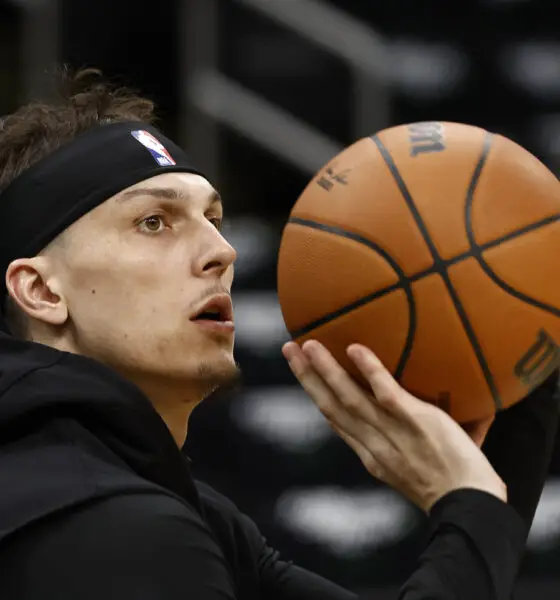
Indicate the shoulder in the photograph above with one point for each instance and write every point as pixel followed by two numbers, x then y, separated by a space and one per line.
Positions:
pixel 123 523
pixel 135 541
pixel 219 507
pixel 236 531
pixel 214 499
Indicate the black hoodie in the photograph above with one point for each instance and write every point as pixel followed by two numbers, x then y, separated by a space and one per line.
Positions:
pixel 97 502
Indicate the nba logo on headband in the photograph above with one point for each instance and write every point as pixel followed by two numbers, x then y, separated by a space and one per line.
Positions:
pixel 155 147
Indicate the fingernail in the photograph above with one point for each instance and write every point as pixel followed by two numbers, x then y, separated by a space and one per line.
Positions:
pixel 287 350
pixel 309 346
pixel 356 351
pixel 359 352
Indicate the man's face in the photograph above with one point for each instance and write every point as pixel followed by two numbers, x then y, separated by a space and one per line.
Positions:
pixel 135 272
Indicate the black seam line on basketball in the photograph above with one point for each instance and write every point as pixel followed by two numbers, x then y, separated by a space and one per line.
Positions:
pixel 403 283
pixel 439 264
pixel 413 278
pixel 517 233
pixel 449 262
pixel 477 250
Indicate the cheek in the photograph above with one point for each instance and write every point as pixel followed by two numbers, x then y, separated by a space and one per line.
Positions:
pixel 111 273
pixel 134 285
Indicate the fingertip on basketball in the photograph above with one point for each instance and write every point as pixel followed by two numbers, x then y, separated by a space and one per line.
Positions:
pixel 287 349
pixel 355 352
pixel 359 353
pixel 308 345
pixel 293 353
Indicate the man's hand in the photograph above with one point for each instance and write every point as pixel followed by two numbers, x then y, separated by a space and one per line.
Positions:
pixel 411 445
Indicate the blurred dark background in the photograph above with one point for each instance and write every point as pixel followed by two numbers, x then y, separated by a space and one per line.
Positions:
pixel 262 93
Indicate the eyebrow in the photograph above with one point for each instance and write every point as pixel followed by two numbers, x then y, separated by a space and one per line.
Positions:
pixel 168 193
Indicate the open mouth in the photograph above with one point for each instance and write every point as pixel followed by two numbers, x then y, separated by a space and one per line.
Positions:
pixel 210 315
pixel 217 310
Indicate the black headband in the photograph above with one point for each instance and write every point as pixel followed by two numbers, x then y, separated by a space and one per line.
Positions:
pixel 55 192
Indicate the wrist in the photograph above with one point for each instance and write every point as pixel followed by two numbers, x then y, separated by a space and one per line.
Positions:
pixel 494 487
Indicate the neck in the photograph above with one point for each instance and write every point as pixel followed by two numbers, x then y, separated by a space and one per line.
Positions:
pixel 176 418
pixel 173 404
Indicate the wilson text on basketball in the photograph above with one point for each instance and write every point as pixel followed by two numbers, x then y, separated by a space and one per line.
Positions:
pixel 542 358
pixel 426 138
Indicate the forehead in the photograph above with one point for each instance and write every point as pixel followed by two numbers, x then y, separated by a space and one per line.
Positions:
pixel 174 186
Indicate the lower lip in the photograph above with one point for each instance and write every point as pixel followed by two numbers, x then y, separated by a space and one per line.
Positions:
pixel 223 327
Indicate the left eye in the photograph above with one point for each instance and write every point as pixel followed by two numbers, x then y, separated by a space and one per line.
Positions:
pixel 217 223
pixel 152 224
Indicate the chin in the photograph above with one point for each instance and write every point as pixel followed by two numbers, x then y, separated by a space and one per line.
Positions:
pixel 212 375
pixel 194 362
pixel 209 368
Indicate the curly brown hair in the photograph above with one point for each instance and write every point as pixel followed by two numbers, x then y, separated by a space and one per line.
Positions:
pixel 84 99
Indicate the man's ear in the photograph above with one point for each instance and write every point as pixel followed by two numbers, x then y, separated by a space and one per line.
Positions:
pixel 36 290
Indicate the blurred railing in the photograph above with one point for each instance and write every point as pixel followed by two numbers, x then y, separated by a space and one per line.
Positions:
pixel 211 97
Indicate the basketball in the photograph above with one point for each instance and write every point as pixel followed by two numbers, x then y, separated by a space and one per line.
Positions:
pixel 437 245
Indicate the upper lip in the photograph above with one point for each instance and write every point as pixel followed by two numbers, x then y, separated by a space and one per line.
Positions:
pixel 220 303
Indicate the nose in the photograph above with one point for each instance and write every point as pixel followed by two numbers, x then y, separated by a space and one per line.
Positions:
pixel 217 257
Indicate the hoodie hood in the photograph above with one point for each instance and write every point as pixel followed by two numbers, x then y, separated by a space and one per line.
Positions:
pixel 71 431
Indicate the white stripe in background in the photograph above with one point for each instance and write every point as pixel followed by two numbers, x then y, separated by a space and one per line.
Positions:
pixel 283 416
pixel 350 523
pixel 261 121
pixel 259 324
pixel 336 31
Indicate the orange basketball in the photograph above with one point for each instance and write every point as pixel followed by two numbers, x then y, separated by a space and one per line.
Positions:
pixel 438 246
